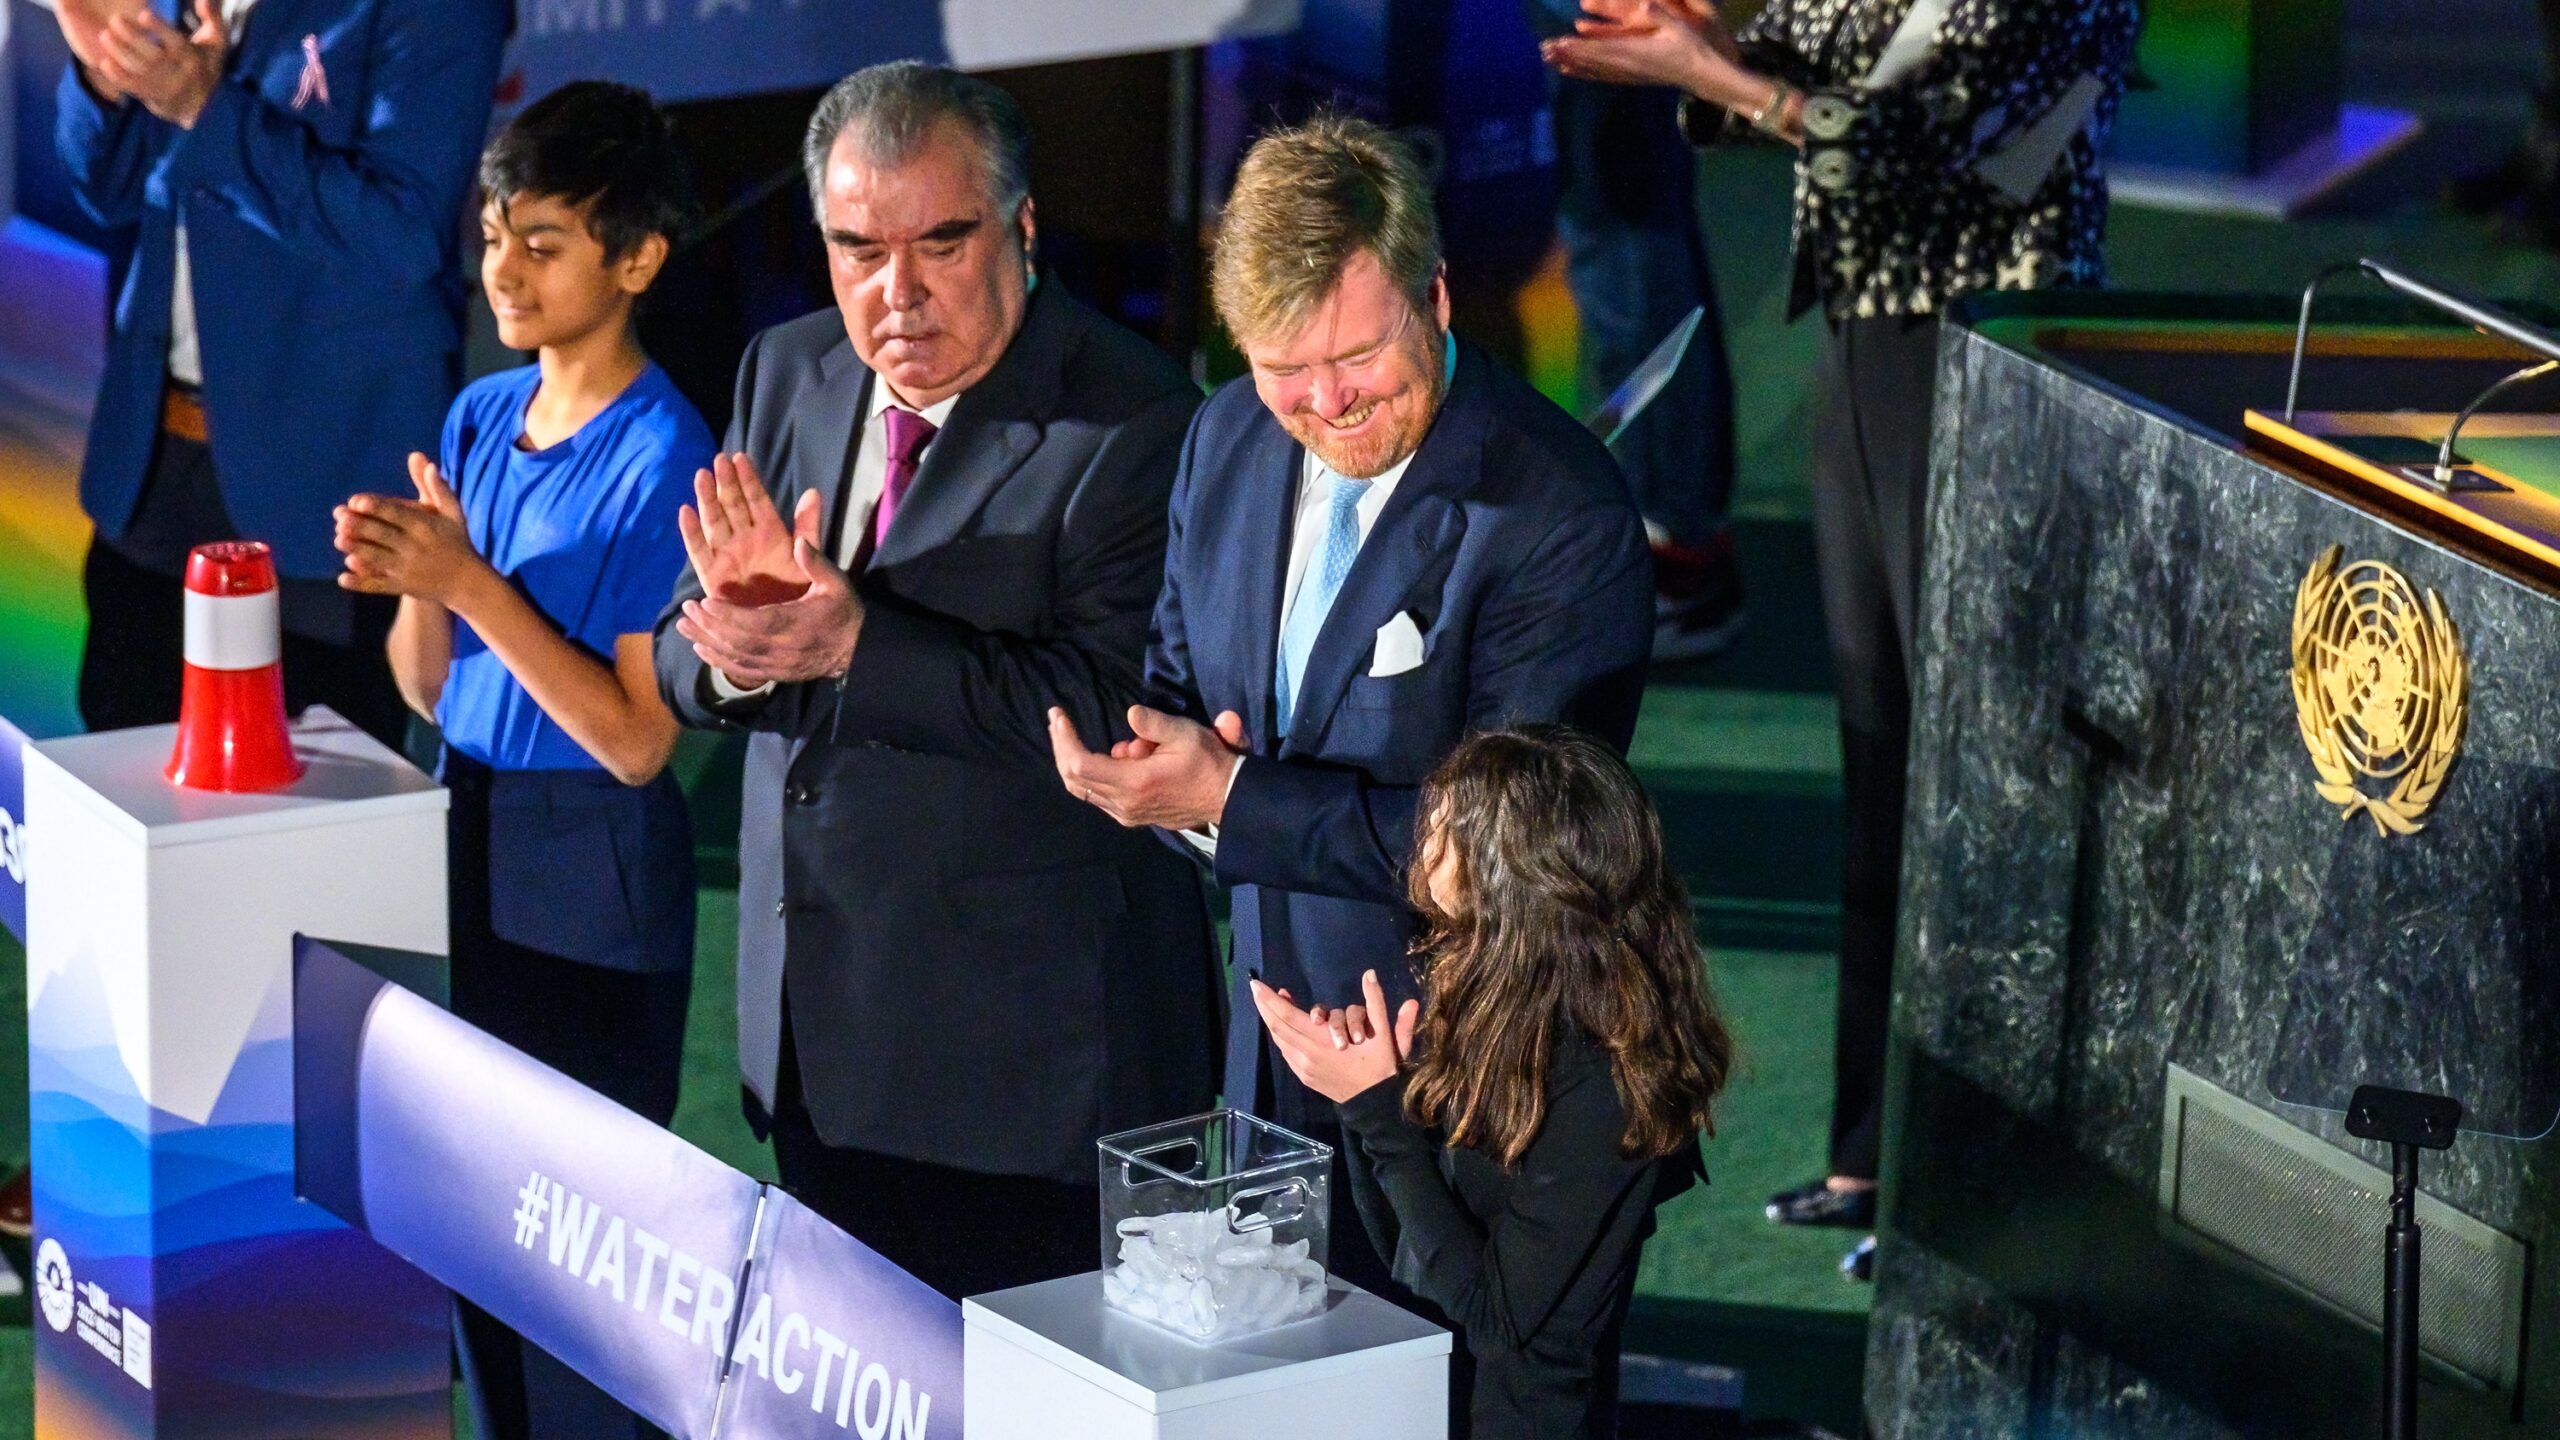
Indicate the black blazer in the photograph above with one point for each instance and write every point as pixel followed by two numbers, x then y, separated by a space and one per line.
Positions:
pixel 981 970
pixel 1533 1266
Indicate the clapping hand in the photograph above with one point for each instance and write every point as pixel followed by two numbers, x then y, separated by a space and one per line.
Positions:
pixel 415 547
pixel 740 549
pixel 1173 772
pixel 1339 1053
pixel 138 54
pixel 84 28
pixel 774 609
pixel 1680 43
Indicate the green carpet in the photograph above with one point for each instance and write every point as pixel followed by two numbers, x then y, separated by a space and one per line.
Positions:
pixel 1714 1244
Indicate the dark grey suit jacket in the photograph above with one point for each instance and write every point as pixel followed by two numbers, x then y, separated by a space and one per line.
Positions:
pixel 981 971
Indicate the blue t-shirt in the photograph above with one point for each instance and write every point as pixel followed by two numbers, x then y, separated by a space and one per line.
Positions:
pixel 585 529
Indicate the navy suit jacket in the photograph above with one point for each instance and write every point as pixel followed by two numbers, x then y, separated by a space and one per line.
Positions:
pixel 324 243
pixel 1512 543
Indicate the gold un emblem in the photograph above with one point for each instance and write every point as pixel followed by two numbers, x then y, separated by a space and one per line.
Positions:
pixel 2380 687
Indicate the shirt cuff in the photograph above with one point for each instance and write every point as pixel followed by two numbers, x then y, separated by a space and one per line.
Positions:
pixel 725 693
pixel 1204 838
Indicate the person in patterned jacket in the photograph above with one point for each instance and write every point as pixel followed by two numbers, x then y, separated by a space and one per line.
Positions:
pixel 1944 147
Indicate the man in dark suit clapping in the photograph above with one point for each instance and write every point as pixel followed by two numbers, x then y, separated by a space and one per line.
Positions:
pixel 1381 540
pixel 951 976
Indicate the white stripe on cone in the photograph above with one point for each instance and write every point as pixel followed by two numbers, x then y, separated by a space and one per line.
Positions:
pixel 234 632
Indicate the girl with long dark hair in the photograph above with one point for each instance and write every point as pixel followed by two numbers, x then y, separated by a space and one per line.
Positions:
pixel 1516 1129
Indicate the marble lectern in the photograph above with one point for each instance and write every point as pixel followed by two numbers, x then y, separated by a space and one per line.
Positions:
pixel 2154 927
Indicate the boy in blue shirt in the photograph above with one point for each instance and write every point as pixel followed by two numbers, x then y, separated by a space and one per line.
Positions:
pixel 531 567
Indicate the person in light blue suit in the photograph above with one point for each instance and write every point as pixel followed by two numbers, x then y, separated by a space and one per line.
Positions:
pixel 290 328
pixel 1381 541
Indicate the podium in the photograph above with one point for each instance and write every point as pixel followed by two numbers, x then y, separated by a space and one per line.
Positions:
pixel 180 1287
pixel 2233 784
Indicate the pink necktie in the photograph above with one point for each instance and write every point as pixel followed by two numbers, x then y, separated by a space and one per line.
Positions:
pixel 908 434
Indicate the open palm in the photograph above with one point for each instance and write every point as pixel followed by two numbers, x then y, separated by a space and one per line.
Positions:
pixel 82 20
pixel 739 546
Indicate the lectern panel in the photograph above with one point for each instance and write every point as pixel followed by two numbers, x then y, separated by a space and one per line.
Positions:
pixel 2223 767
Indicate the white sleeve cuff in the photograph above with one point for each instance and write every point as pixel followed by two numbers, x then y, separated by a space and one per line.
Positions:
pixel 1204 838
pixel 729 694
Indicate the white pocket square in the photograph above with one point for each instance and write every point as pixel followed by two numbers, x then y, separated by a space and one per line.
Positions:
pixel 1399 647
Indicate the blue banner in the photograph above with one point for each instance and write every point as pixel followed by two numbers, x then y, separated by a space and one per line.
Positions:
pixel 878 1353
pixel 708 1303
pixel 704 49
pixel 13 831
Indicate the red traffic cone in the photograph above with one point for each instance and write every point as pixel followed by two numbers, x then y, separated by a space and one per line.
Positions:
pixel 231 733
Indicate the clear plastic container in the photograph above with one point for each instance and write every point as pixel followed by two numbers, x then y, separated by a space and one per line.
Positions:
pixel 1215 1226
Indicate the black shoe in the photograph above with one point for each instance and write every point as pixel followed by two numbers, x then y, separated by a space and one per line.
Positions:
pixel 1697 600
pixel 1819 1204
pixel 1858 1267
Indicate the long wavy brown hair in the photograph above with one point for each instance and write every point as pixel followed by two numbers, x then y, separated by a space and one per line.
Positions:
pixel 1568 914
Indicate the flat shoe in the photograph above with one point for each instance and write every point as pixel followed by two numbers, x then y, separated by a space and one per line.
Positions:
pixel 1819 1204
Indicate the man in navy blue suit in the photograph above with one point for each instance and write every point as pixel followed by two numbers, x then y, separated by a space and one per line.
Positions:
pixel 290 328
pixel 1380 542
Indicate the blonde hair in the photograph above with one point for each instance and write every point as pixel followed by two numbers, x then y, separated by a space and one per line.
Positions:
pixel 1306 200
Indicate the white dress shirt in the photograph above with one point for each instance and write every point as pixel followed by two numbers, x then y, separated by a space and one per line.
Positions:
pixel 186 360
pixel 1315 502
pixel 1306 537
pixel 863 485
pixel 1315 513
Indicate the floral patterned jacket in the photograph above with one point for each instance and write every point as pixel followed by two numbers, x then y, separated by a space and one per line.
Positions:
pixel 1926 186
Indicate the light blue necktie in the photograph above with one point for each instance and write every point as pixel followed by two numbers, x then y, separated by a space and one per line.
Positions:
pixel 1322 582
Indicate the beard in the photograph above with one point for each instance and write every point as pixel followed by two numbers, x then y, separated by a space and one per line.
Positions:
pixel 1395 432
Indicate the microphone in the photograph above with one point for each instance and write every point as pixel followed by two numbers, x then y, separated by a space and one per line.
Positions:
pixel 2478 314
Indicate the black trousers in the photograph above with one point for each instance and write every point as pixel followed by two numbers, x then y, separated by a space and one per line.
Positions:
pixel 1870 475
pixel 962 1232
pixel 618 1032
pixel 132 666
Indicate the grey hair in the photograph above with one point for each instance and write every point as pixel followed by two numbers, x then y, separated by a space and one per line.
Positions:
pixel 893 109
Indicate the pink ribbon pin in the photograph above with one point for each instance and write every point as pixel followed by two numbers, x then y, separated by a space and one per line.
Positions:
pixel 315 76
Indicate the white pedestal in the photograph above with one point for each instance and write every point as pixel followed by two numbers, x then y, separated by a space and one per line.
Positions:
pixel 1053 1362
pixel 181 1286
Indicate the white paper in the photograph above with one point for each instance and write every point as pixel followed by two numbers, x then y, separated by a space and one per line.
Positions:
pixel 1399 647
pixel 1913 42
pixel 1644 382
pixel 2017 169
